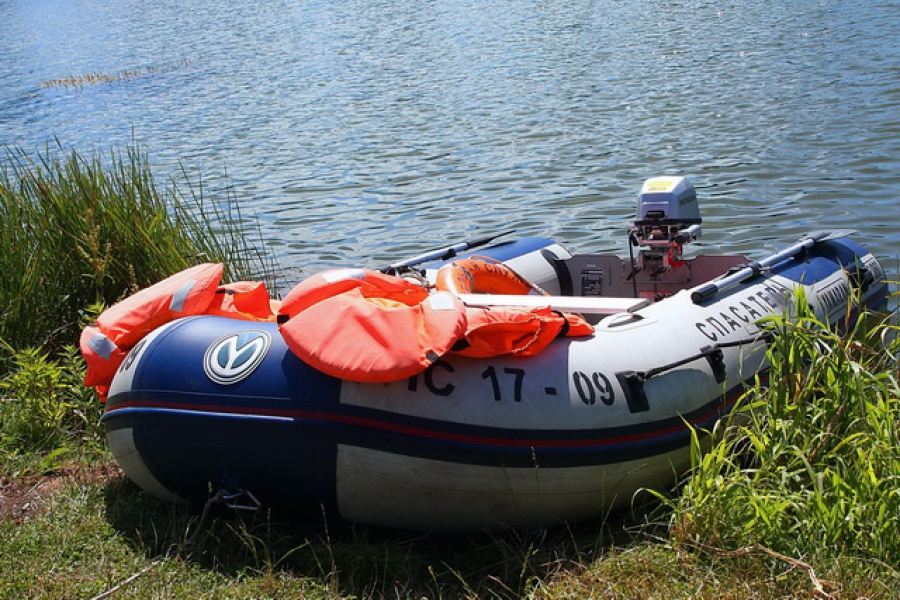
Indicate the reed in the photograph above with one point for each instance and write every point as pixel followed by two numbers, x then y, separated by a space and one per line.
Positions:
pixel 79 81
pixel 76 232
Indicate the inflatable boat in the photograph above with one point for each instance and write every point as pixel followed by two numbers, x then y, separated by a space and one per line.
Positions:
pixel 219 401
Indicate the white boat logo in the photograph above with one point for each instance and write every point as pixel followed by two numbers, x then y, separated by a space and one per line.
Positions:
pixel 132 356
pixel 233 358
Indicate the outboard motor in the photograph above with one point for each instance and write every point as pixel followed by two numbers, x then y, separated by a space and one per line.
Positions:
pixel 668 217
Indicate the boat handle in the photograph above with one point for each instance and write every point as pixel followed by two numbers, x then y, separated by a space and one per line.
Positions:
pixel 632 382
pixel 754 268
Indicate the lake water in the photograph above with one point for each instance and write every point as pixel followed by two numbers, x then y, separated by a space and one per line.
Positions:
pixel 361 131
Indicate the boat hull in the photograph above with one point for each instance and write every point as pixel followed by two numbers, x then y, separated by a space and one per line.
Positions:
pixel 207 403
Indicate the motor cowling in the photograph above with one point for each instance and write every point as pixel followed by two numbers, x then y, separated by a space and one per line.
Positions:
pixel 668 217
pixel 667 209
pixel 668 200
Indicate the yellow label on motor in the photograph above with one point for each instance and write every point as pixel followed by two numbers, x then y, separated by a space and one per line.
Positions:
pixel 663 184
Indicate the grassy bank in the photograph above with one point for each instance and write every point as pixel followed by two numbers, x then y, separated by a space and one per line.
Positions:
pixel 799 497
pixel 808 473
pixel 78 234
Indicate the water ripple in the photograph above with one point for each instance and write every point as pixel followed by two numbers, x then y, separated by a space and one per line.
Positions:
pixel 362 131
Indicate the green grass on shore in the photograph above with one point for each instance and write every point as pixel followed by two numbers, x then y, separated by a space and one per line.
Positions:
pixel 798 497
pixel 93 534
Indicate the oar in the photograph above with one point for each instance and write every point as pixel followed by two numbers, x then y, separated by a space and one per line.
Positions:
pixel 445 253
pixel 713 288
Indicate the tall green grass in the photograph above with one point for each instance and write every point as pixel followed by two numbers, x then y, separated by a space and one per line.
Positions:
pixel 78 234
pixel 811 467
pixel 77 231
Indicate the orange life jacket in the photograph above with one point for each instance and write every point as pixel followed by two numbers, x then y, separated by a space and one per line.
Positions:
pixel 503 330
pixel 497 330
pixel 247 300
pixel 366 326
pixel 102 357
pixel 124 324
pixel 188 292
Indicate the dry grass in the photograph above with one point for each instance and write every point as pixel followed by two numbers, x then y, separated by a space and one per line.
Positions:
pixel 26 496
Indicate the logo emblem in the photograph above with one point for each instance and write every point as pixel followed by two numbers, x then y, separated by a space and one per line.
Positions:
pixel 132 356
pixel 233 358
